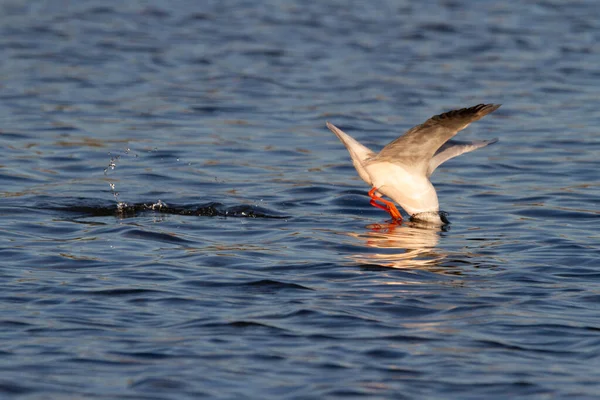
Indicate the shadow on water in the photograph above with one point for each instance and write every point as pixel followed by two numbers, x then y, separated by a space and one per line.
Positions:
pixel 212 209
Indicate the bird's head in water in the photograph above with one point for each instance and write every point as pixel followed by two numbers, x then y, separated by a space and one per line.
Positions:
pixel 438 218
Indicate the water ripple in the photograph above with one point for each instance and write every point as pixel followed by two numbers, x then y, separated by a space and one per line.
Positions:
pixel 262 271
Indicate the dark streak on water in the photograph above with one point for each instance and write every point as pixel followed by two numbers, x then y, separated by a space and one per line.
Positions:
pixel 246 261
pixel 124 210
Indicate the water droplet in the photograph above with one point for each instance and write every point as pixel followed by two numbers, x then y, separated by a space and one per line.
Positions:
pixel 158 205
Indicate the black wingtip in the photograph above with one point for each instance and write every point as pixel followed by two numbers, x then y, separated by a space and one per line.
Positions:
pixel 483 108
pixel 476 112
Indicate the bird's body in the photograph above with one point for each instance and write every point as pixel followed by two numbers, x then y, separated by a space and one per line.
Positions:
pixel 414 192
pixel 401 170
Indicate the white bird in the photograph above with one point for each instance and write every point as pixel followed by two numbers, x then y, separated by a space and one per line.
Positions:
pixel 401 170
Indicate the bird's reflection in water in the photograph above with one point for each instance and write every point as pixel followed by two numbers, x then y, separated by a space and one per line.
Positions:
pixel 409 245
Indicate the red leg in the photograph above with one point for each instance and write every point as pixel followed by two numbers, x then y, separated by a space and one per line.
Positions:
pixel 374 204
pixel 375 199
pixel 393 210
pixel 388 205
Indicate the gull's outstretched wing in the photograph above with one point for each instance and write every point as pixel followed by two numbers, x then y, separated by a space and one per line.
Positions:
pixel 418 145
pixel 453 148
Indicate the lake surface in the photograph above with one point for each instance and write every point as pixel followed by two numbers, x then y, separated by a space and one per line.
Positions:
pixel 244 259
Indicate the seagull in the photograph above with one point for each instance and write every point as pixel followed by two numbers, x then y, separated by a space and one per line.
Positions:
pixel 401 170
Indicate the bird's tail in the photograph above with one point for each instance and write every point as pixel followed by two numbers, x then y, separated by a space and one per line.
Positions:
pixel 358 152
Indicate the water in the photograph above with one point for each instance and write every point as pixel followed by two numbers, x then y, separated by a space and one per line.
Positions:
pixel 245 260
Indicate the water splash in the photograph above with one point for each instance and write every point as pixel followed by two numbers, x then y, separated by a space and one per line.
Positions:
pixel 126 210
pixel 120 205
pixel 112 165
pixel 159 205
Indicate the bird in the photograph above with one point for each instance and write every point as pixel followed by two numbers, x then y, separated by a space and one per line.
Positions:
pixel 401 170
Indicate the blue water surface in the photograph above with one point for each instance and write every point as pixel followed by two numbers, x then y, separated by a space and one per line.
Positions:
pixel 177 222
